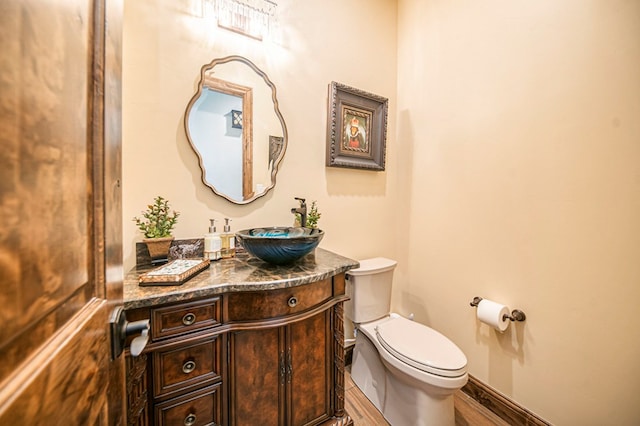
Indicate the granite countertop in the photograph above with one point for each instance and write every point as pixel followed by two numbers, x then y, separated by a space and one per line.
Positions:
pixel 242 273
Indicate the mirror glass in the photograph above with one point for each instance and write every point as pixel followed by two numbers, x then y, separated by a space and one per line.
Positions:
pixel 235 127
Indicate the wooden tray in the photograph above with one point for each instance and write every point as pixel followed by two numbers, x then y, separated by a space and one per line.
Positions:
pixel 175 272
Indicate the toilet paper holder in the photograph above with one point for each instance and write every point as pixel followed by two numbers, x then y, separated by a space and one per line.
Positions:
pixel 516 314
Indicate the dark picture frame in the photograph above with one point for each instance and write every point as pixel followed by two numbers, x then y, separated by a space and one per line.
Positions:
pixel 356 128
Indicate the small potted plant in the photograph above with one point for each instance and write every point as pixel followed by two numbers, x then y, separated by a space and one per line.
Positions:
pixel 313 217
pixel 156 225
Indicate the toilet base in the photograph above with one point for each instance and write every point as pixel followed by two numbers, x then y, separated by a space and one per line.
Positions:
pixel 402 399
pixel 411 406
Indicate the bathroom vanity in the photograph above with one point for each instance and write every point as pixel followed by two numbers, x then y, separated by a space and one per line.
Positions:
pixel 241 343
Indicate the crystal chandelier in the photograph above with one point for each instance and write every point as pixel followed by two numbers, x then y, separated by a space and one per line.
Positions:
pixel 249 17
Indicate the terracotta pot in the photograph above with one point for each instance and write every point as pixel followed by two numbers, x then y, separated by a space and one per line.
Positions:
pixel 158 247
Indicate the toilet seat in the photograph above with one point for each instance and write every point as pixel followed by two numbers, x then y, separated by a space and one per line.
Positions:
pixel 421 347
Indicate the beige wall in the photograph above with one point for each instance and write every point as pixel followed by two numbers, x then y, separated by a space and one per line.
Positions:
pixel 513 172
pixel 519 123
pixel 165 44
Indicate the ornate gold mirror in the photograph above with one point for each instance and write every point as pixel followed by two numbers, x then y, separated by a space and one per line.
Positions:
pixel 235 127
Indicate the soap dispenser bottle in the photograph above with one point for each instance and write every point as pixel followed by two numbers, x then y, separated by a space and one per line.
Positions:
pixel 228 241
pixel 212 243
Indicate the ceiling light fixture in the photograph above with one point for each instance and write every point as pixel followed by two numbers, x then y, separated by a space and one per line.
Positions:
pixel 252 18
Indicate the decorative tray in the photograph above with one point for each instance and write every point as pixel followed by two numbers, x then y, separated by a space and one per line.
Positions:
pixel 175 272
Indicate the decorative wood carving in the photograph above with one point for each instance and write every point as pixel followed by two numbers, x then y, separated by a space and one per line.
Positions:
pixel 338 355
pixel 137 391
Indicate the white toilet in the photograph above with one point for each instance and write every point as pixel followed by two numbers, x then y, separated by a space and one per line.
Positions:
pixel 408 370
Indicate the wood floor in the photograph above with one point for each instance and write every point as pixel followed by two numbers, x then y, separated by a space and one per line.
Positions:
pixel 364 413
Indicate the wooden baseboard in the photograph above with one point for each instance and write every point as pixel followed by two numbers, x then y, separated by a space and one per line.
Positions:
pixel 500 405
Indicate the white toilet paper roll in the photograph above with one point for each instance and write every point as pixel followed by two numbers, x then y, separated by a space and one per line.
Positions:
pixel 492 313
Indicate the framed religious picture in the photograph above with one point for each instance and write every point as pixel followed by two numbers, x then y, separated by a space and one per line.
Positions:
pixel 356 128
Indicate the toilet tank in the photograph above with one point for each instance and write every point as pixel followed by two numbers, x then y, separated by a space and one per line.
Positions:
pixel 369 289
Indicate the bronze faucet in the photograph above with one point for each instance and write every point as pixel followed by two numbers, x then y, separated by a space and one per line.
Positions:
pixel 302 211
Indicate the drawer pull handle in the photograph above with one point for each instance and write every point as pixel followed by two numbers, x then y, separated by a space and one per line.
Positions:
pixel 189 319
pixel 188 367
pixel 190 420
pixel 292 302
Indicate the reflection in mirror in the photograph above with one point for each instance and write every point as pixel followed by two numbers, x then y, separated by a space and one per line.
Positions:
pixel 235 127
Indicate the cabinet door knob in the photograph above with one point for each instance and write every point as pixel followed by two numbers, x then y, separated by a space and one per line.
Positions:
pixel 190 420
pixel 188 367
pixel 189 318
pixel 292 302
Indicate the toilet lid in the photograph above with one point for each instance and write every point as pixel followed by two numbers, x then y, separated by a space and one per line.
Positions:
pixel 421 347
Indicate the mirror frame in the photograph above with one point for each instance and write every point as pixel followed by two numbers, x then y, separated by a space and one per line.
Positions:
pixel 246 94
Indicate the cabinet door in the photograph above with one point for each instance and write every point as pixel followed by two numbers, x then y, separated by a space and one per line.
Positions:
pixel 309 379
pixel 256 377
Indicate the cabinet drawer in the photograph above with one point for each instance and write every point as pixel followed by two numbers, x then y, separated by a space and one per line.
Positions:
pixel 248 306
pixel 202 408
pixel 181 367
pixel 184 318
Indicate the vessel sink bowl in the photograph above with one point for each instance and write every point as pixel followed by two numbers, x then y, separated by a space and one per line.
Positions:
pixel 280 245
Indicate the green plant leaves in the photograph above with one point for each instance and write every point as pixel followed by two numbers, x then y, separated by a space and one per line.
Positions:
pixel 158 220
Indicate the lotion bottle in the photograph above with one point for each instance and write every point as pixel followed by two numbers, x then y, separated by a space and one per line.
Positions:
pixel 228 241
pixel 212 243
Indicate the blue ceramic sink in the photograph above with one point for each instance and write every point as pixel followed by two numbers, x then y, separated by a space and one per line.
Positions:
pixel 280 245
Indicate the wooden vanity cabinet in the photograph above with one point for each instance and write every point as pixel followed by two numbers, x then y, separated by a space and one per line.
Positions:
pixel 282 375
pixel 268 357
